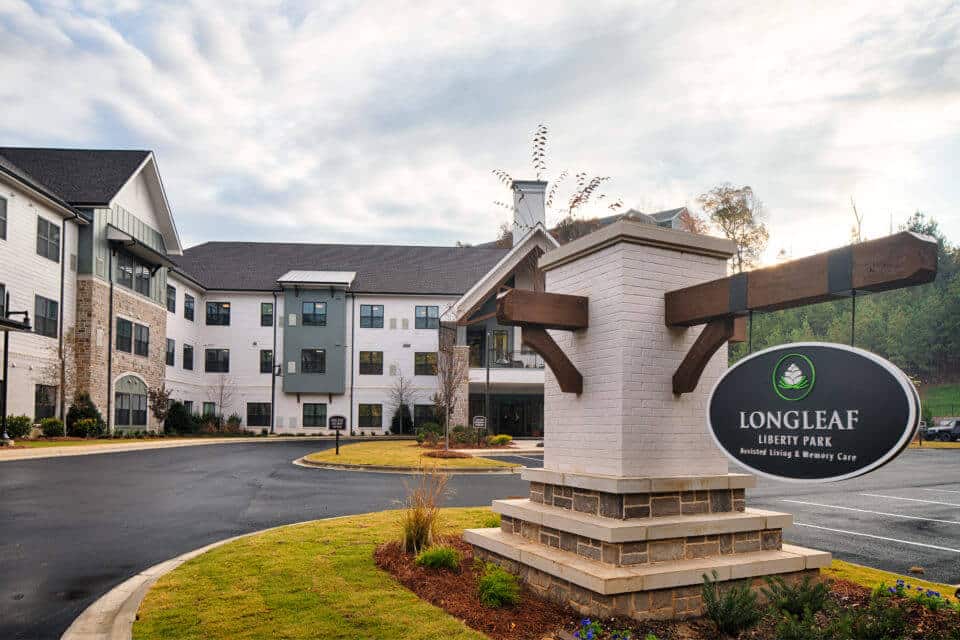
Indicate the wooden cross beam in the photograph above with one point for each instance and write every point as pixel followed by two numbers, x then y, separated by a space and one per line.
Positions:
pixel 535 312
pixel 901 260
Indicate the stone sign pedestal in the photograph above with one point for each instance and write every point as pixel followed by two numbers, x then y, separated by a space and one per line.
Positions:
pixel 635 503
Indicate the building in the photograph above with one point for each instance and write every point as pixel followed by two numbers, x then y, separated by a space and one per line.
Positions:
pixel 283 335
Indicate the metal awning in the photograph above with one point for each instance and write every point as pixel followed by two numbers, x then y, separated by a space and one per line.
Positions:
pixel 117 237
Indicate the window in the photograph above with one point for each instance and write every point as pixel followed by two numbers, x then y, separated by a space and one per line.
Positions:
pixel 266 361
pixel 171 352
pixel 313 361
pixel 171 299
pixel 218 314
pixel 125 270
pixel 188 357
pixel 427 317
pixel 217 361
pixel 258 414
pixel 141 279
pixel 423 413
pixel 425 364
pixel 371 363
pixel 141 340
pixel 314 414
pixel 371 316
pixel 188 407
pixel 209 408
pixel 131 402
pixel 501 347
pixel 45 317
pixel 48 239
pixel 266 314
pixel 133 274
pixel 3 218
pixel 3 301
pixel 371 416
pixel 314 314
pixel 124 335
pixel 45 401
pixel 188 306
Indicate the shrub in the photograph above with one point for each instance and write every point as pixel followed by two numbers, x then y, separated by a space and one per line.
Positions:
pixel 52 427
pixel 732 610
pixel 81 409
pixel 492 521
pixel 428 429
pixel 87 428
pixel 500 440
pixel 234 420
pixel 402 420
pixel 178 419
pixel 796 599
pixel 19 426
pixel 419 517
pixel 439 557
pixel 879 620
pixel 464 435
pixel 803 627
pixel 264 431
pixel 497 588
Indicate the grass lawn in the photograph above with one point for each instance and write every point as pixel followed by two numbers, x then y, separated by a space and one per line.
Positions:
pixel 872 577
pixel 397 453
pixel 40 444
pixel 316 580
pixel 927 444
pixel 943 400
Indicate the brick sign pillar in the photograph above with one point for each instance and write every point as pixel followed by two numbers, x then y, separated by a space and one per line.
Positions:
pixel 634 503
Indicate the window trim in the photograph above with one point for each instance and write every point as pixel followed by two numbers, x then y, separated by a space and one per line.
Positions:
pixel 303 415
pixel 371 317
pixel 374 366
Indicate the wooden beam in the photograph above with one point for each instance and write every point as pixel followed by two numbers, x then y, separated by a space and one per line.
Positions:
pixel 712 337
pixel 568 377
pixel 521 307
pixel 901 260
pixel 739 329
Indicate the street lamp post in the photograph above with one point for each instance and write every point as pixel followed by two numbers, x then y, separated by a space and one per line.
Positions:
pixel 7 327
pixel 486 388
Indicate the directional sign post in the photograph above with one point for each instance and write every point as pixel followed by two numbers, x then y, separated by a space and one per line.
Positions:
pixel 338 424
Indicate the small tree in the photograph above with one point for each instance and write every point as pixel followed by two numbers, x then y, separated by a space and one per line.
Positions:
pixel 221 394
pixel 159 399
pixel 452 372
pixel 402 396
pixel 83 408
pixel 739 215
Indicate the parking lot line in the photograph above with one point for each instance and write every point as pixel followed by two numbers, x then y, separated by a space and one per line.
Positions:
pixel 942 490
pixel 870 535
pixel 878 513
pixel 879 495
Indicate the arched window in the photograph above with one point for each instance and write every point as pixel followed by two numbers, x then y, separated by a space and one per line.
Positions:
pixel 131 402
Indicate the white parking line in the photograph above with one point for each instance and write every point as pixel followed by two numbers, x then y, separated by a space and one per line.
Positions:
pixel 878 495
pixel 941 490
pixel 878 513
pixel 869 535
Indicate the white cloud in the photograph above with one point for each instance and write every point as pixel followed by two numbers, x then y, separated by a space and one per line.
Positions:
pixel 381 121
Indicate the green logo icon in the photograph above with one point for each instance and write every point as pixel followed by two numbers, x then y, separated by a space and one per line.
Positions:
pixel 794 376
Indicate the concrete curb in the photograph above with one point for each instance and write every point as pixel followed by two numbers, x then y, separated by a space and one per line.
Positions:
pixel 370 468
pixel 17 455
pixel 112 616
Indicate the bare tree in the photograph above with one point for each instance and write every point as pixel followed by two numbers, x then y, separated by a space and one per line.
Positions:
pixel 739 215
pixel 221 394
pixel 452 371
pixel 58 367
pixel 693 223
pixel 856 231
pixel 402 395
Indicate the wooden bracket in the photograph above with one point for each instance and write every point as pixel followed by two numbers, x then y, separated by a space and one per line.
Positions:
pixel 712 338
pixel 568 377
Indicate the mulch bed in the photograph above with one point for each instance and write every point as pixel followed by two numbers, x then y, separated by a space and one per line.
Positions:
pixel 537 619
pixel 444 453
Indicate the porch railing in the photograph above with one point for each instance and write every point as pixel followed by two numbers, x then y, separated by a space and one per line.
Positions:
pixel 510 360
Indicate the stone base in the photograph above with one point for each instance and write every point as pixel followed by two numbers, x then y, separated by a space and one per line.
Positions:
pixel 671 603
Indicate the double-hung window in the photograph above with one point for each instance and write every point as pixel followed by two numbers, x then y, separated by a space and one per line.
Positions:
pixel 425 363
pixel 141 340
pixel 171 352
pixel 3 301
pixel 188 357
pixel 427 317
pixel 48 239
pixel 371 416
pixel 313 361
pixel 314 314
pixel 258 414
pixel 266 361
pixel 171 299
pixel 45 401
pixel 217 361
pixel 188 306
pixel 371 363
pixel 124 335
pixel 218 314
pixel 266 314
pixel 45 317
pixel 371 316
pixel 314 414
pixel 3 218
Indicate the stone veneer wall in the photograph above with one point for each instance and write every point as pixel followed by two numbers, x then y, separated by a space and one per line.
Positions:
pixel 638 505
pixel 461 411
pixel 660 604
pixel 93 342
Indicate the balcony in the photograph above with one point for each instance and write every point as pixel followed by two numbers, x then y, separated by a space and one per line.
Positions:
pixel 524 368
pixel 507 360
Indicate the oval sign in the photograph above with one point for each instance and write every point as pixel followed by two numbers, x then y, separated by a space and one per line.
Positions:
pixel 813 412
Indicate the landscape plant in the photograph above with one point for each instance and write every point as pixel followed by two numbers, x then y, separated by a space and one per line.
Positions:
pixel 19 426
pixel 881 619
pixel 52 427
pixel 500 440
pixel 178 419
pixel 419 519
pixel 733 609
pixel 82 408
pixel 87 428
pixel 802 627
pixel 439 557
pixel 497 587
pixel 797 599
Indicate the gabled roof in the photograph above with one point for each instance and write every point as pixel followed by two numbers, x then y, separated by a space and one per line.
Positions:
pixel 19 175
pixel 256 266
pixel 82 177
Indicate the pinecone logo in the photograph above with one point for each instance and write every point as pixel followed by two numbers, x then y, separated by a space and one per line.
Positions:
pixel 793 376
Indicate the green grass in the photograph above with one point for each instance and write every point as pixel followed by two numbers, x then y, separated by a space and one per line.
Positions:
pixel 315 581
pixel 397 453
pixel 870 578
pixel 943 400
pixel 41 444
pixel 929 444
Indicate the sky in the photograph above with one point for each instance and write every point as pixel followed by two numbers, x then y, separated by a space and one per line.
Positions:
pixel 380 122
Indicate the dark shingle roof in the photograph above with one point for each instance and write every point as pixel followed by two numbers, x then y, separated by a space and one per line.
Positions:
pixel 255 266
pixel 22 176
pixel 82 177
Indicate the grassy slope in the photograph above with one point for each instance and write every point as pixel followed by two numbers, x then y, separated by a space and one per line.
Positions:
pixel 399 453
pixel 942 399
pixel 316 580
pixel 872 577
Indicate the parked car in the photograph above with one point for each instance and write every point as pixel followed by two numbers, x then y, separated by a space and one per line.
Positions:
pixel 946 430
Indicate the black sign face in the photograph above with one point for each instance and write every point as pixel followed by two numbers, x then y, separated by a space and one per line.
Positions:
pixel 813 412
pixel 337 422
pixel 480 422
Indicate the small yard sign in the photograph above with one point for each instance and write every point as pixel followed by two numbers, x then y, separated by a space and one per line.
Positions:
pixel 338 423
pixel 480 422
pixel 813 412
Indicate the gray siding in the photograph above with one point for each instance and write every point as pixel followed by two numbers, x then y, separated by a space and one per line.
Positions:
pixel 331 337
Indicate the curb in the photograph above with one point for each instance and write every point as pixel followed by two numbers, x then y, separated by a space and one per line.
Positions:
pixel 371 468
pixel 111 616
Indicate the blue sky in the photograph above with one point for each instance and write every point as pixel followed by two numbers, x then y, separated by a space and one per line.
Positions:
pixel 381 121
